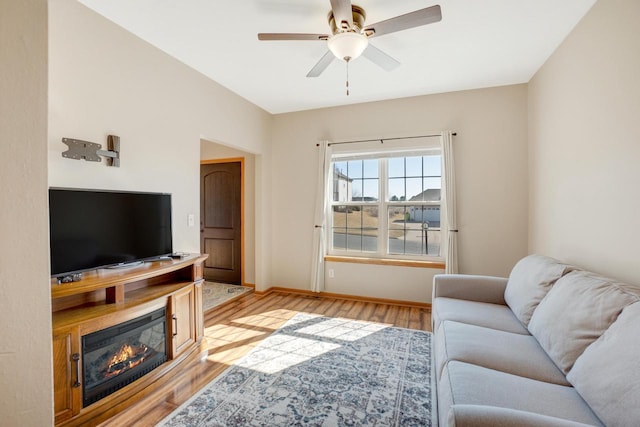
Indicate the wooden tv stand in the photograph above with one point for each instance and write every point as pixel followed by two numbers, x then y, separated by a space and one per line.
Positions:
pixel 107 297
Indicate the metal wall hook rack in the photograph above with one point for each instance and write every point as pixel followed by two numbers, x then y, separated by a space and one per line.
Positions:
pixel 91 151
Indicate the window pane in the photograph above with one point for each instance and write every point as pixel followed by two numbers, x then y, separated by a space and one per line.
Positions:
pixel 340 167
pixel 414 166
pixel 370 218
pixel 434 241
pixel 355 169
pixel 365 238
pixel 396 167
pixel 355 228
pixel 429 215
pixel 433 183
pixel 370 190
pixel 340 217
pixel 371 168
pixel 397 218
pixel 342 184
pixel 356 190
pixel 433 165
pixel 415 243
pixel 414 230
pixel 396 189
pixel 354 217
pixel 339 238
pixel 414 188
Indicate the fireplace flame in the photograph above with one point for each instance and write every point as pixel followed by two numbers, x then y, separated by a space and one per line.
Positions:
pixel 126 358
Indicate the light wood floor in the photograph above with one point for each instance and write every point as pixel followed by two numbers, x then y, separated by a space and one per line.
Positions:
pixel 235 328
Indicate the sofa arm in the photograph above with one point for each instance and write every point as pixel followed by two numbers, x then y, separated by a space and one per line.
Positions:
pixel 470 287
pixel 491 416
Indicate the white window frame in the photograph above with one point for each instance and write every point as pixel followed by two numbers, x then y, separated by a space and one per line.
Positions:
pixel 383 206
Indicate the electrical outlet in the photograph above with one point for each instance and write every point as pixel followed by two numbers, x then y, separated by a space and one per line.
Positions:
pixel 191 220
pixel 331 273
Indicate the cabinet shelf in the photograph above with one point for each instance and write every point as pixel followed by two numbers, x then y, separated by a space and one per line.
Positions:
pixel 138 298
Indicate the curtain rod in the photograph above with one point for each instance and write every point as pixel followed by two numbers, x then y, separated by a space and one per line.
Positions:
pixel 382 140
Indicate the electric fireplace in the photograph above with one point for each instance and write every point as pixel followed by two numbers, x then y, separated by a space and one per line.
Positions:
pixel 119 355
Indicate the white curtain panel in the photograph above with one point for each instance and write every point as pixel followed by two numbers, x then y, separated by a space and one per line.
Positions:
pixel 449 185
pixel 320 217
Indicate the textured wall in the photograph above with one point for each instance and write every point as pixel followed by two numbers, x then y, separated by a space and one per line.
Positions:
pixel 26 389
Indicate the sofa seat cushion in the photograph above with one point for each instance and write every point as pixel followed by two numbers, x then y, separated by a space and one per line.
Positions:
pixel 495 316
pixel 466 384
pixel 530 280
pixel 607 374
pixel 575 312
pixel 503 351
pixel 491 416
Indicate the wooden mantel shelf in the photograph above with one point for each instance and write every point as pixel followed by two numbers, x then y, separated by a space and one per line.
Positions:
pixel 106 278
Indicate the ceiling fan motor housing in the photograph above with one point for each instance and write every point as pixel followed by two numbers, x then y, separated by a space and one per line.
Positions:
pixel 359 17
pixel 349 36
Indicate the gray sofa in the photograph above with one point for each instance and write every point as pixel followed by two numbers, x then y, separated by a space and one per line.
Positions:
pixel 551 345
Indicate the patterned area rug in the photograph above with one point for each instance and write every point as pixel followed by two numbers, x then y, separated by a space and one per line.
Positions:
pixel 214 294
pixel 321 371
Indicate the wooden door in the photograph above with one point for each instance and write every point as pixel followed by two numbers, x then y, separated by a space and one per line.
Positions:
pixel 221 221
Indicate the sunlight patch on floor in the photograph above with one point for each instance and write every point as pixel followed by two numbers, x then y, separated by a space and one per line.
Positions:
pixel 285 351
pixel 342 329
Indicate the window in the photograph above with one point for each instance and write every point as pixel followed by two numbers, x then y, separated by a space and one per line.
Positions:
pixel 386 205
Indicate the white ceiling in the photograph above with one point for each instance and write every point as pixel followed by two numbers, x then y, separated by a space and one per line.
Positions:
pixel 478 43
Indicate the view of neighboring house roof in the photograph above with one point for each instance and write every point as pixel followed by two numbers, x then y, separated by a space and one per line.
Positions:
pixel 429 195
pixel 338 174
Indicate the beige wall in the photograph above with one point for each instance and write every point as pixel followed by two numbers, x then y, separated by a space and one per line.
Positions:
pixel 584 136
pixel 211 151
pixel 26 390
pixel 109 81
pixel 491 171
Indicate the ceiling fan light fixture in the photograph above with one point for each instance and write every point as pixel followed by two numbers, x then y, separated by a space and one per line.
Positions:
pixel 347 45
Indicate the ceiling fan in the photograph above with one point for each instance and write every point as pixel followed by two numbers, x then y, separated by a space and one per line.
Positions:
pixel 350 36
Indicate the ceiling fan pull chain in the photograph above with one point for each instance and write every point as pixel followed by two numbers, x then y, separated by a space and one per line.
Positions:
pixel 347 77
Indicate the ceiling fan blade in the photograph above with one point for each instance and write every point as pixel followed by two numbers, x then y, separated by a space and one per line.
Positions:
pixel 342 12
pixel 291 36
pixel 403 22
pixel 380 58
pixel 321 65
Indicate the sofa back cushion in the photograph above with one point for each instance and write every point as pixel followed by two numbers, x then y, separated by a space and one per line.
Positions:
pixel 576 312
pixel 529 282
pixel 607 374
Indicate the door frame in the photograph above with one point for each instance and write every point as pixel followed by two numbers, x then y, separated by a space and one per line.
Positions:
pixel 234 160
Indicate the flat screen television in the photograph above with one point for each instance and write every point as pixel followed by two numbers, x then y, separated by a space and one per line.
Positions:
pixel 92 229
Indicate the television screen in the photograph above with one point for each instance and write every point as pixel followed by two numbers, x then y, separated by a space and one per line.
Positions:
pixel 90 229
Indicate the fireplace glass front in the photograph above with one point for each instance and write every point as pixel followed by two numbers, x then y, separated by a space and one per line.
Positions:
pixel 119 355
